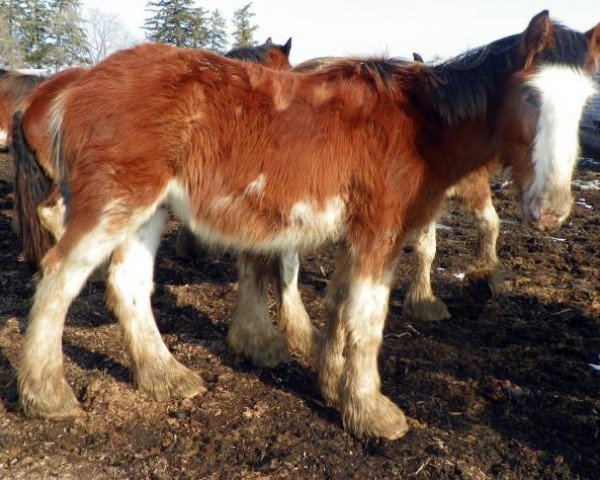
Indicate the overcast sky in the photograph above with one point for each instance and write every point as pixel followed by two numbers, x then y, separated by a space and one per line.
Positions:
pixel 393 27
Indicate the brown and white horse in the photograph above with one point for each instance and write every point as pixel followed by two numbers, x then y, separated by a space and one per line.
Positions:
pixel 39 207
pixel 13 87
pixel 473 193
pixel 269 161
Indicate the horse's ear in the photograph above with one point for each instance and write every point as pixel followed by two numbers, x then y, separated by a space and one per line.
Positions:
pixel 269 42
pixel 593 38
pixel 287 47
pixel 537 34
pixel 418 58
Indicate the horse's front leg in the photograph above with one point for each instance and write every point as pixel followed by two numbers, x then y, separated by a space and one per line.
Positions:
pixel 485 271
pixel 358 310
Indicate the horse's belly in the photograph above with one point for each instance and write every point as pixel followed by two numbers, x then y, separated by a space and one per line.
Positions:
pixel 232 222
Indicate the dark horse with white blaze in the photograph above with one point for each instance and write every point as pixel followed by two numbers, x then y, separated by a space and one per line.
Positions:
pixel 267 162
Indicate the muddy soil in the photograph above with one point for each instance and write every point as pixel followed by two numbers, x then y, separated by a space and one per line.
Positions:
pixel 502 390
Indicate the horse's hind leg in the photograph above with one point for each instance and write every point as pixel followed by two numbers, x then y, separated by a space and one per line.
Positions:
pixel 43 390
pixel 420 303
pixel 130 284
pixel 294 322
pixel 251 334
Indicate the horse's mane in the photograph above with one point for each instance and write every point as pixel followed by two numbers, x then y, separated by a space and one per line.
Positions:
pixel 460 87
pixel 569 47
pixel 249 54
pixel 15 85
pixel 316 64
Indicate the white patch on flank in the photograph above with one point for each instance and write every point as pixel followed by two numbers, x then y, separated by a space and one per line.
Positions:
pixel 564 92
pixel 3 138
pixel 257 186
pixel 308 225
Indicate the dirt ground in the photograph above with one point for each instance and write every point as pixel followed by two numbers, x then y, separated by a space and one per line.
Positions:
pixel 502 390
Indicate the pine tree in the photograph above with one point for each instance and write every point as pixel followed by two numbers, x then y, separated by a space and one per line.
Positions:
pixel 176 22
pixel 198 28
pixel 243 35
pixel 12 12
pixel 34 27
pixel 67 37
pixel 11 48
pixel 217 33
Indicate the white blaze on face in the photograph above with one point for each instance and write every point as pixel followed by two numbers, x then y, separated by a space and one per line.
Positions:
pixel 563 92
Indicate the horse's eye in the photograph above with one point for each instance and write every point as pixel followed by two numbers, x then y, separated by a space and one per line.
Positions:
pixel 532 99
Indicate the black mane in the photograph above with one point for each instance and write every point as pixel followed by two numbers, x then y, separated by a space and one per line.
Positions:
pixel 258 53
pixel 249 54
pixel 460 88
pixel 568 47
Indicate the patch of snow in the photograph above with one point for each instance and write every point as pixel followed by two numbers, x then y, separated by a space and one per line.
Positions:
pixel 556 239
pixel 595 367
pixel 582 203
pixel 441 226
pixel 586 185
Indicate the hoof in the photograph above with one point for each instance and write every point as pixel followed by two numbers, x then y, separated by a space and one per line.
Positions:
pixel 52 400
pixel 482 283
pixel 265 347
pixel 427 309
pixel 306 343
pixel 375 416
pixel 172 381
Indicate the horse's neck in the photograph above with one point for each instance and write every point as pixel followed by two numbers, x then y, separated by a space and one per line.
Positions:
pixel 459 149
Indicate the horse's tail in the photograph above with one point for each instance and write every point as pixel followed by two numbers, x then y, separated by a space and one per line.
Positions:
pixel 32 186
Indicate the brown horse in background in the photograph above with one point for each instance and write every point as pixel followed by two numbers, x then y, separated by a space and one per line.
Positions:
pixel 39 206
pixel 14 86
pixel 473 193
pixel 268 162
